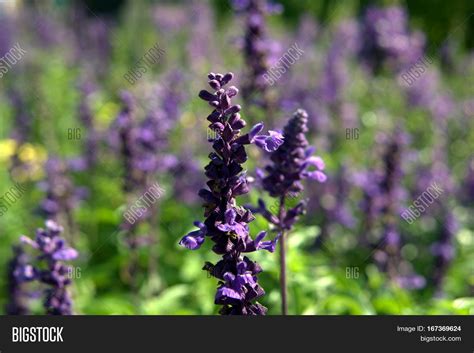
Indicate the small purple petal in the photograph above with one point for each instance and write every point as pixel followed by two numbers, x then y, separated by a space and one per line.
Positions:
pixel 226 292
pixel 309 151
pixel 194 239
pixel 65 254
pixel 26 240
pixel 230 215
pixel 316 161
pixel 256 129
pixel 316 175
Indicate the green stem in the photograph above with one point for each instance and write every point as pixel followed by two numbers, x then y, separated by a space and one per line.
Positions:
pixel 283 284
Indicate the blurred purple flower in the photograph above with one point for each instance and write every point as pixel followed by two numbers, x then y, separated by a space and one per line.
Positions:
pixel 49 268
pixel 387 39
pixel 19 272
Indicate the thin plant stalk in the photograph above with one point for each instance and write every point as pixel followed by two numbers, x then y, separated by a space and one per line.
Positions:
pixel 283 283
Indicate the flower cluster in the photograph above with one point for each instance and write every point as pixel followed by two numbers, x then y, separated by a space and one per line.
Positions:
pixel 199 48
pixel 92 40
pixel 227 224
pixel 187 178
pixel 338 210
pixel 389 188
pixel 62 196
pixel 124 124
pixel 256 46
pixel 384 195
pixel 387 39
pixel 50 269
pixel 151 139
pixel 335 73
pixel 87 119
pixel 142 142
pixel 293 161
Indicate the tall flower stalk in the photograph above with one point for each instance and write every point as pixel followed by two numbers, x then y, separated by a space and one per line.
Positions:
pixel 87 119
pixel 19 273
pixel 62 196
pixel 388 39
pixel 291 163
pixel 389 255
pixel 133 179
pixel 49 267
pixel 384 194
pixel 256 49
pixel 227 223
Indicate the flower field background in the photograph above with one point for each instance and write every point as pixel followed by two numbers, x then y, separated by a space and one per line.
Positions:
pixel 346 128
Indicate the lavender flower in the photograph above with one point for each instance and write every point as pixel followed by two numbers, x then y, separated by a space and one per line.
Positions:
pixel 151 135
pixel 387 40
pixel 186 179
pixel 50 269
pixel 426 93
pixel 170 19
pixel 92 39
pixel 227 223
pixel 171 96
pixel 199 48
pixel 383 201
pixel 45 27
pixel 124 124
pixel 62 196
pixel 292 162
pixel 335 75
pixel 372 201
pixel 19 273
pixel 87 119
pixel 332 202
pixel 256 48
pixel 387 256
pixel 7 33
pixel 142 143
pixel 142 146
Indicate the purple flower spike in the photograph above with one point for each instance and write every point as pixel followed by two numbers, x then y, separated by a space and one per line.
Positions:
pixel 227 223
pixel 50 270
pixel 19 272
pixel 291 160
pixel 257 50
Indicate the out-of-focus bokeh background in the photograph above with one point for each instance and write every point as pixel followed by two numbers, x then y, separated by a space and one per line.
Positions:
pixel 388 86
